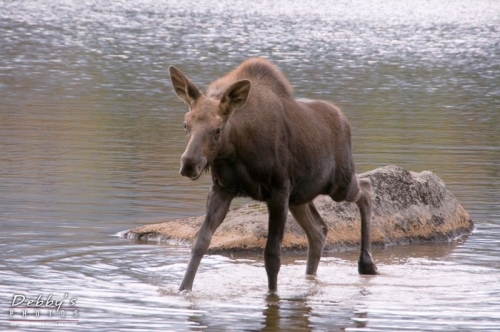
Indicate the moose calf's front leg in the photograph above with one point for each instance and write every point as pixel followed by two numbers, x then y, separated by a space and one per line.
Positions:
pixel 278 211
pixel 218 203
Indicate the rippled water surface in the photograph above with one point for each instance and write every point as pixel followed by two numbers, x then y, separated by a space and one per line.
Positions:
pixel 91 134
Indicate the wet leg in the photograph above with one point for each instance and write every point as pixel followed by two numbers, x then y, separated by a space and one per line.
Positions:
pixel 364 203
pixel 278 212
pixel 218 203
pixel 308 217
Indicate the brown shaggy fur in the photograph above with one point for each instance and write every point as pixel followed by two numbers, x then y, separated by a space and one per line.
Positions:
pixel 259 71
pixel 258 141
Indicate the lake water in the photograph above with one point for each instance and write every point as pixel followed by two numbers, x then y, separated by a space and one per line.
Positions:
pixel 91 135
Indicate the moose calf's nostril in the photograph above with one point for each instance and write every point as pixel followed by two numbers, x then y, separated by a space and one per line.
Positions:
pixel 187 169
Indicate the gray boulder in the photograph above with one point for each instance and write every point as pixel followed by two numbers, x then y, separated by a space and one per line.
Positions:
pixel 407 207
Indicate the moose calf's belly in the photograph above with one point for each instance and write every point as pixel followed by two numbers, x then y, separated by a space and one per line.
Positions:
pixel 238 181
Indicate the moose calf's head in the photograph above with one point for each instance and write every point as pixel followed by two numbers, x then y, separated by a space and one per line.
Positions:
pixel 205 121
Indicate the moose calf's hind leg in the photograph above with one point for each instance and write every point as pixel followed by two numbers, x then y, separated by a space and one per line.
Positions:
pixel 364 203
pixel 315 228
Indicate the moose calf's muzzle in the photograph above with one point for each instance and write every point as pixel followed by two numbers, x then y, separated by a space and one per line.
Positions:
pixel 191 167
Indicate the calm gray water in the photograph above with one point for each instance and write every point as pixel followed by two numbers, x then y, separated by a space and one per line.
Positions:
pixel 91 135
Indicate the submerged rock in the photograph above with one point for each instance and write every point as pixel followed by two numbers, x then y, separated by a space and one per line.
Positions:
pixel 407 207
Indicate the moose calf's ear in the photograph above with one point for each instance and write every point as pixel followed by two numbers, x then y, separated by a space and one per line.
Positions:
pixel 234 97
pixel 184 88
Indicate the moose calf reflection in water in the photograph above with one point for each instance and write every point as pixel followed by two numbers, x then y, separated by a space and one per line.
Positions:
pixel 258 141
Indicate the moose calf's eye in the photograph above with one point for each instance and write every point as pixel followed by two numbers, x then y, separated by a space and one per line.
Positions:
pixel 184 125
pixel 217 133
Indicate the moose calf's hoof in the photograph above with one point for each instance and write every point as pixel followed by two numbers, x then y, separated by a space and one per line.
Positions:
pixel 367 268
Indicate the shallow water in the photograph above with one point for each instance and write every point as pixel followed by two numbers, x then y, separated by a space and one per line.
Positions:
pixel 91 135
